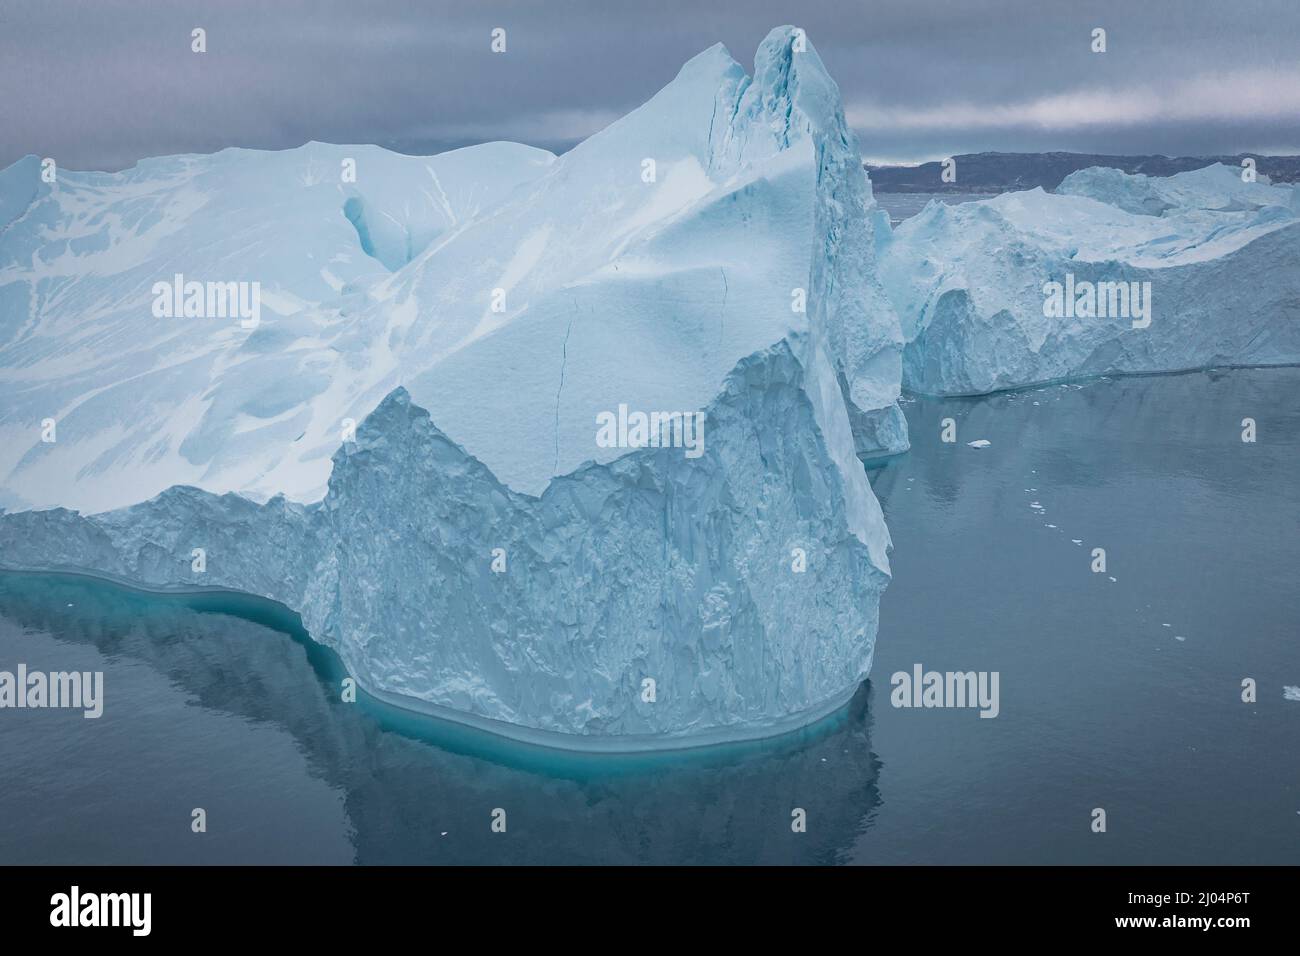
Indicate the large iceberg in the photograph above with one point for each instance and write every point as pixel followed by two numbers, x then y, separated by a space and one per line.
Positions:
pixel 474 547
pixel 1115 273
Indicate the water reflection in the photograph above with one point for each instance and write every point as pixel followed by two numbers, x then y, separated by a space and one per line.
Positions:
pixel 420 790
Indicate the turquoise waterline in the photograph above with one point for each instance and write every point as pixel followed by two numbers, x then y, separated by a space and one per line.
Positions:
pixel 446 734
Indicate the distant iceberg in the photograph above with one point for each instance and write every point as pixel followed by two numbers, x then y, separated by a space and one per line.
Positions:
pixel 1216 187
pixel 472 548
pixel 1214 260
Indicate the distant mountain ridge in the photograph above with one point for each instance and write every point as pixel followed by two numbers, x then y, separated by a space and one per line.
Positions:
pixel 1003 172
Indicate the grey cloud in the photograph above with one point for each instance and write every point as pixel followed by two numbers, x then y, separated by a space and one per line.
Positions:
pixel 101 84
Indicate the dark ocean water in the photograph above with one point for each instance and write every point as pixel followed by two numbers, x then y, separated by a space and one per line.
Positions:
pixel 221 702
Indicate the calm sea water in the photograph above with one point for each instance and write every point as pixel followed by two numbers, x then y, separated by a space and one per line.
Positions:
pixel 1119 690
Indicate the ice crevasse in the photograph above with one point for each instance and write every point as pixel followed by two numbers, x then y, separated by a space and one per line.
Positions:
pixel 473 550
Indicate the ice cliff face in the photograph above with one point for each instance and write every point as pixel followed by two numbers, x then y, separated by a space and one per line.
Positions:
pixel 792 97
pixel 476 548
pixel 650 567
pixel 971 282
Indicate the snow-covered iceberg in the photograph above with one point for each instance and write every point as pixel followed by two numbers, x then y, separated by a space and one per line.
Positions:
pixel 674 240
pixel 474 547
pixel 142 402
pixel 1114 274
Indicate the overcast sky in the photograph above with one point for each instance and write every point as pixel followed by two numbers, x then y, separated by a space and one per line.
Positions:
pixel 100 84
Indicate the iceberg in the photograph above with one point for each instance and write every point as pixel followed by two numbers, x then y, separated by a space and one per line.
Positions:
pixel 1212 261
pixel 1215 187
pixel 472 548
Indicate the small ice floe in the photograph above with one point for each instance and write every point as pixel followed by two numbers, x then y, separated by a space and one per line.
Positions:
pixel 1166 625
pixel 980 443
pixel 444 832
pixel 1051 526
pixel 1112 579
pixel 1291 693
pixel 1179 637
pixel 1077 540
